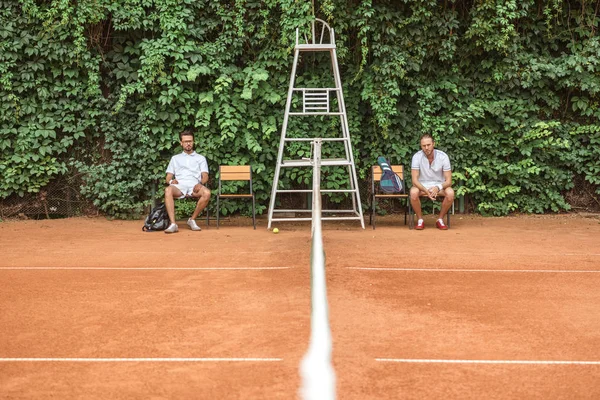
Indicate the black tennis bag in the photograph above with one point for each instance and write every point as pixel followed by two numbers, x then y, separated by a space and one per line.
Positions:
pixel 390 182
pixel 157 220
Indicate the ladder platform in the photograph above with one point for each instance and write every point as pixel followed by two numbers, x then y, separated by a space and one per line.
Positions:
pixel 315 47
pixel 306 163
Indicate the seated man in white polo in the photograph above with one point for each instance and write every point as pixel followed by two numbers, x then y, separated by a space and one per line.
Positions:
pixel 431 176
pixel 187 174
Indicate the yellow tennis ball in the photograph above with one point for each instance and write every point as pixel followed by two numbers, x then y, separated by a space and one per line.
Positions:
pixel 275 230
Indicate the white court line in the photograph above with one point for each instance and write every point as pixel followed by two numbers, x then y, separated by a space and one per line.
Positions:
pixel 547 271
pixel 149 268
pixel 157 359
pixel 536 362
pixel 159 252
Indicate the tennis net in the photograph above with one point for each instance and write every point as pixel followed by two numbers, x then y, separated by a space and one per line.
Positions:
pixel 318 376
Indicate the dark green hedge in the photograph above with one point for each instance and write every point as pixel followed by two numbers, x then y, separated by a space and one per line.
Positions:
pixel 102 87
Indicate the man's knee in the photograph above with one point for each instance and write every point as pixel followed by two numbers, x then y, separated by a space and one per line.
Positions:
pixel 449 194
pixel 414 193
pixel 203 194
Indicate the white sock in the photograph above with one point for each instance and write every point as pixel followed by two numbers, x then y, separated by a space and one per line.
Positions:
pixel 419 221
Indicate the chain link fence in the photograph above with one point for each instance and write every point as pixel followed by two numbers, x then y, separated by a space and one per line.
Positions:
pixel 59 199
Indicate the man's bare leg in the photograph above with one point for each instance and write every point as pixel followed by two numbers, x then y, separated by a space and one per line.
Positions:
pixel 415 202
pixel 203 195
pixel 447 203
pixel 171 193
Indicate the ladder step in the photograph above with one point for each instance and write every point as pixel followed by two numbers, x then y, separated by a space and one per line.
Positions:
pixel 316 113
pixel 315 47
pixel 307 163
pixel 310 191
pixel 340 139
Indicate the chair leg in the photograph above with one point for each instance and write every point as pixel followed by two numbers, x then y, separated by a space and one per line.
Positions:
pixel 373 207
pixel 411 217
pixel 253 213
pixel 218 211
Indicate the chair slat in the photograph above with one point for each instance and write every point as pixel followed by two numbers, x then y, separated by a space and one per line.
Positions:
pixel 235 176
pixel 235 168
pixel 391 195
pixel 236 195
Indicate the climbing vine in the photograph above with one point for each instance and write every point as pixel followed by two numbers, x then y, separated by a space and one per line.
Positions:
pixel 102 88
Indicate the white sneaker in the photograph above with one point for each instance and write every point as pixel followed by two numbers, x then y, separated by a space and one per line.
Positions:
pixel 193 225
pixel 172 228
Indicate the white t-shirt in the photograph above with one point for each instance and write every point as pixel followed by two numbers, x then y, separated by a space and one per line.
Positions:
pixel 188 168
pixel 431 174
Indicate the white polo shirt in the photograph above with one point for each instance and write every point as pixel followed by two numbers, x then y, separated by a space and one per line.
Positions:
pixel 188 168
pixel 431 175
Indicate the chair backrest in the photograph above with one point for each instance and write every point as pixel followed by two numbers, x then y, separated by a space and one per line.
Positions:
pixel 399 169
pixel 376 174
pixel 235 173
pixel 320 33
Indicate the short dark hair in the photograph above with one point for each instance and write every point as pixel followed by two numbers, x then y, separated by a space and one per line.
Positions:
pixel 426 136
pixel 186 132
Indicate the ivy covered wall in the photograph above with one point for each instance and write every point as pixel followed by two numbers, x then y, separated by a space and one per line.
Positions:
pixel 509 88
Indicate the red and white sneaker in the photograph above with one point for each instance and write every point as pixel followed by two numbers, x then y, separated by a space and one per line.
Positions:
pixel 420 225
pixel 440 225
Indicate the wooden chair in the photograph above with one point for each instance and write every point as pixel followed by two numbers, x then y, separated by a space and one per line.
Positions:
pixel 235 173
pixel 377 194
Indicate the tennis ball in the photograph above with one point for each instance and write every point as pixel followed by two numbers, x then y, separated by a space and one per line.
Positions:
pixel 275 230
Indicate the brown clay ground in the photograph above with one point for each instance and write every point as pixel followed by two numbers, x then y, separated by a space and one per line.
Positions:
pixel 505 290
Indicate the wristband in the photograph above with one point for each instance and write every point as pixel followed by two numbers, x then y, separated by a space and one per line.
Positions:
pixel 171 181
pixel 440 186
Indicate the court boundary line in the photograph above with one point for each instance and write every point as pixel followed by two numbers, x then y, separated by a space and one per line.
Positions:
pixel 458 361
pixel 149 268
pixel 548 271
pixel 139 359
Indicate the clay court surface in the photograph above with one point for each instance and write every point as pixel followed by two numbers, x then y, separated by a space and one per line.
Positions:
pixel 494 308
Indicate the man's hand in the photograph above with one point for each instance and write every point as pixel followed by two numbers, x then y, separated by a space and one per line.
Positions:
pixel 433 192
pixel 173 182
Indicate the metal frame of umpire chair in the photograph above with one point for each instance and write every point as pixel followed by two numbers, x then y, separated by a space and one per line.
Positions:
pixel 235 173
pixel 377 194
pixel 315 102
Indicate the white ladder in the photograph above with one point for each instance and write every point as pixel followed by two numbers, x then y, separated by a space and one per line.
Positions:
pixel 316 102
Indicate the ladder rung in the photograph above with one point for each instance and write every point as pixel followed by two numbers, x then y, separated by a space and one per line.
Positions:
pixel 310 190
pixel 301 89
pixel 316 113
pixel 315 47
pixel 312 139
pixel 338 218
pixel 292 219
pixel 306 163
